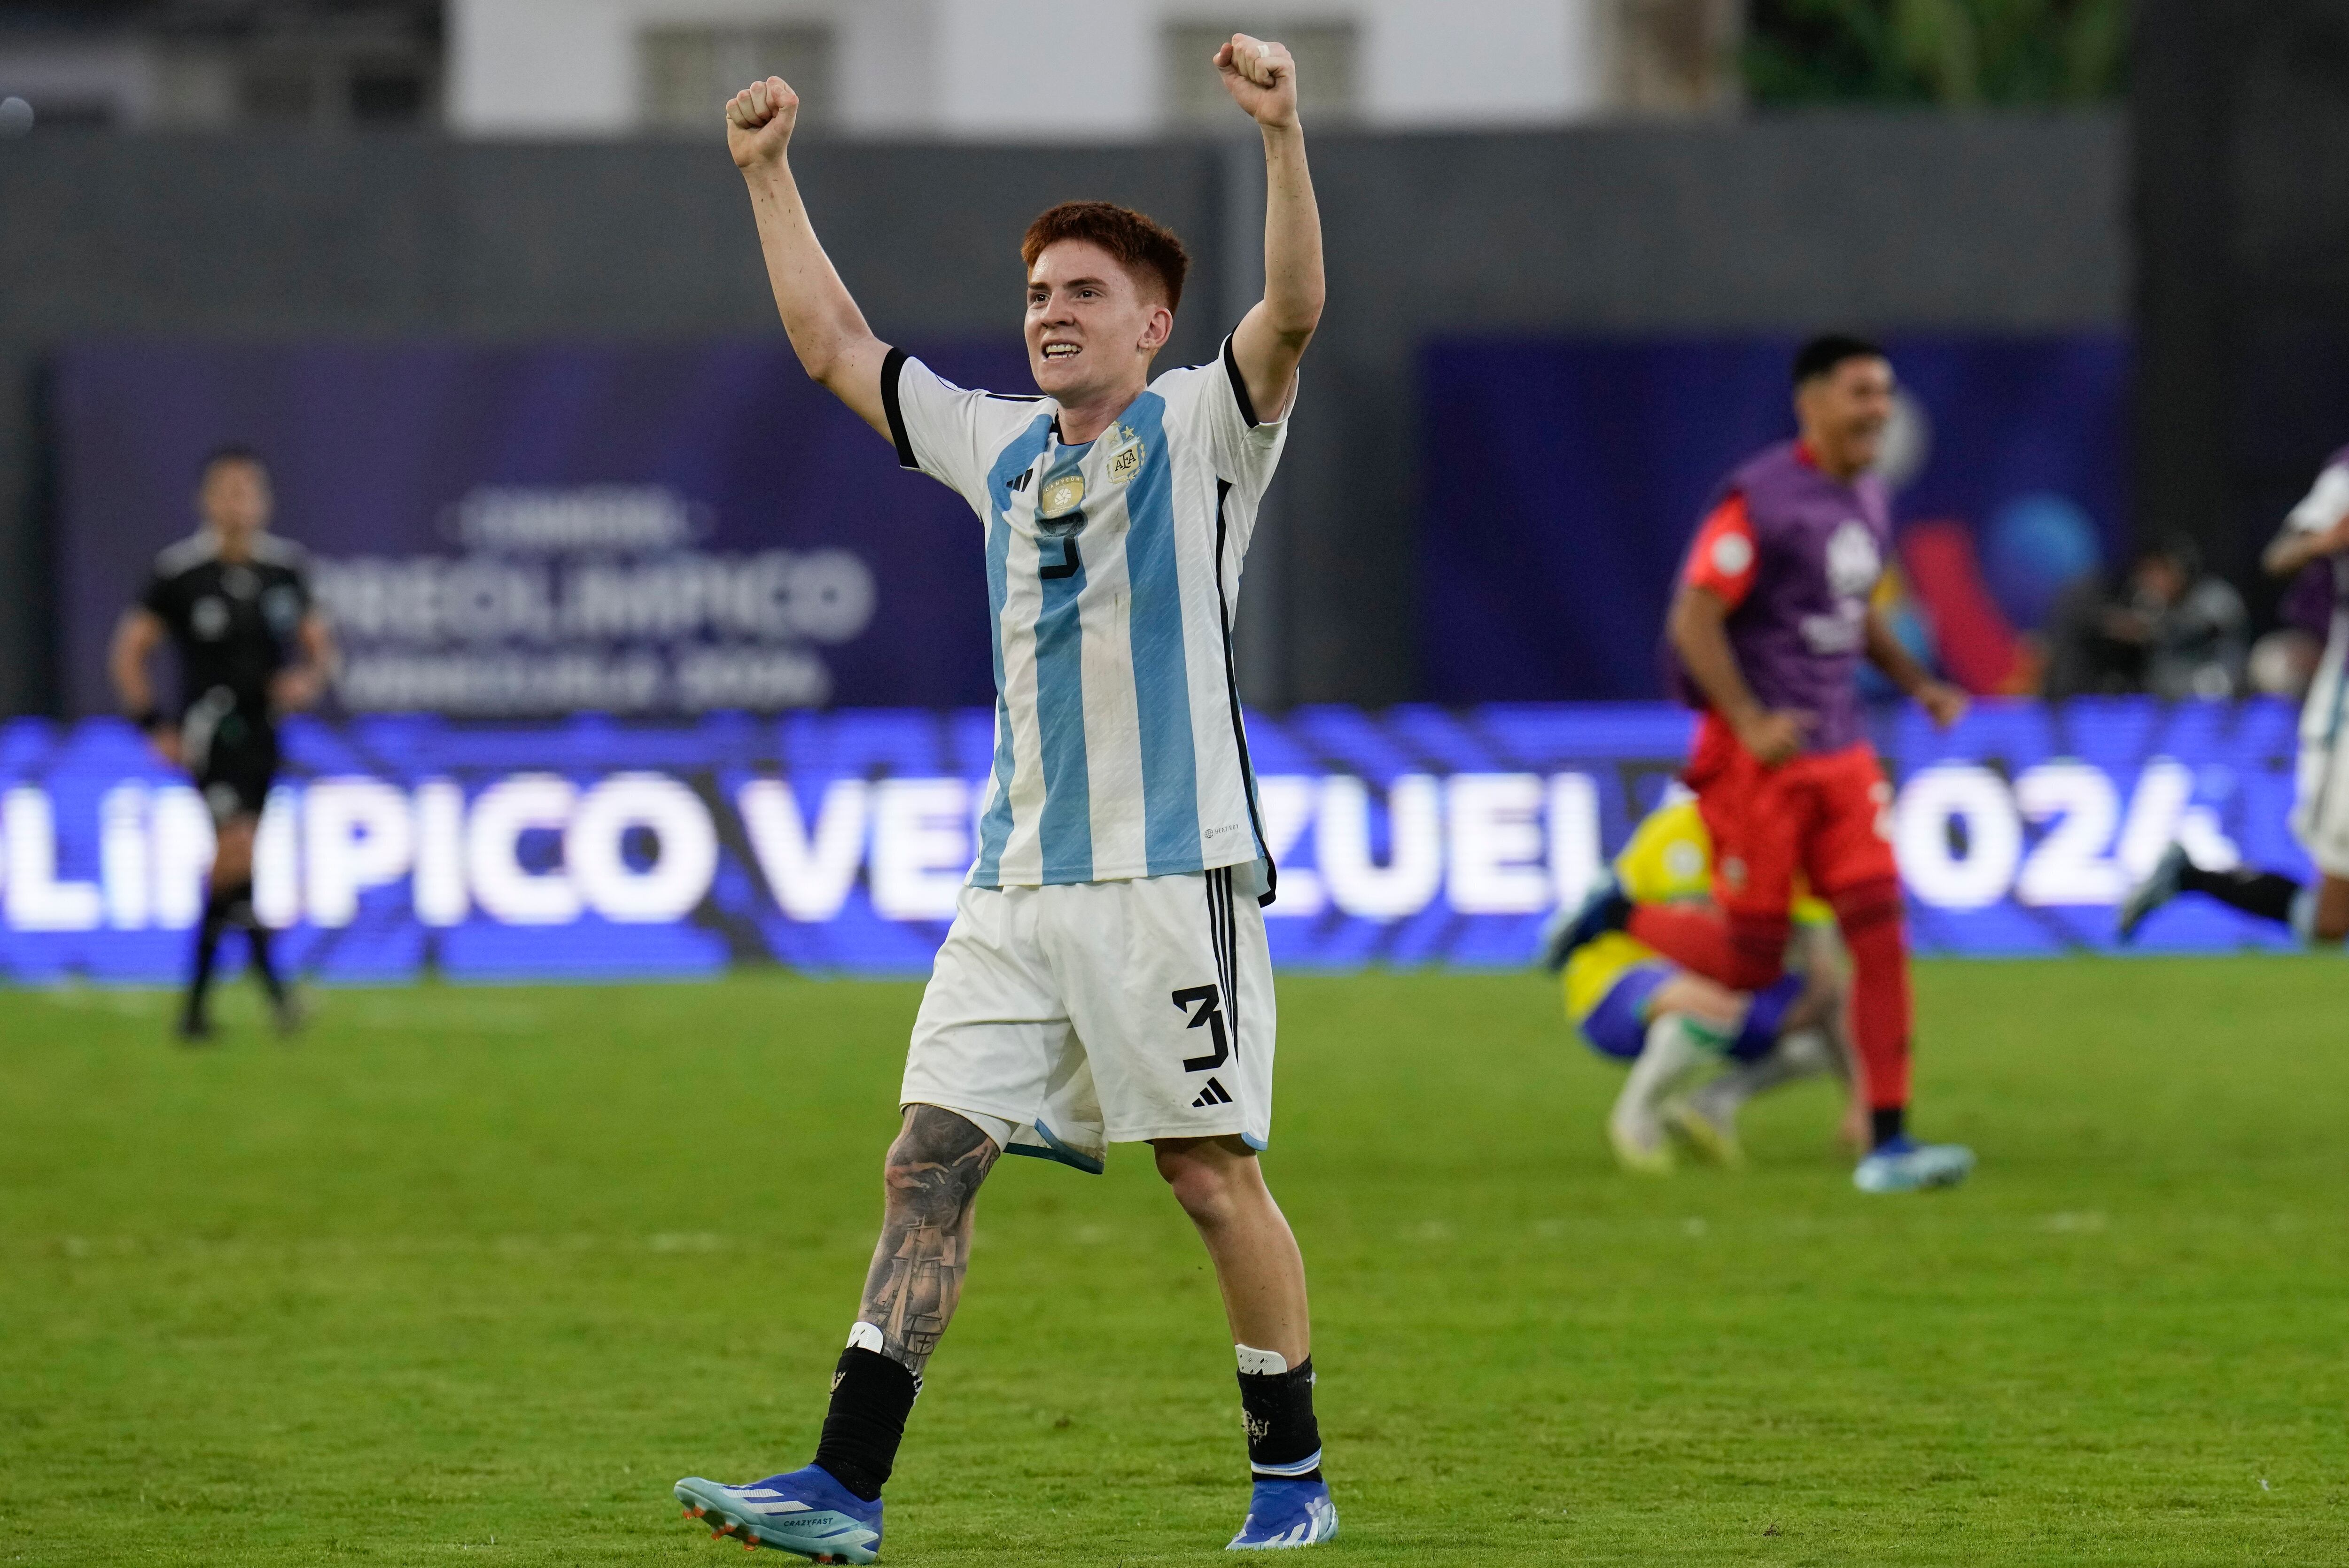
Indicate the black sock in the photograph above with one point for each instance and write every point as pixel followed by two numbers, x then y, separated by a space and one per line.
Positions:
pixel 2263 894
pixel 256 942
pixel 1284 1440
pixel 870 1398
pixel 208 935
pixel 1887 1123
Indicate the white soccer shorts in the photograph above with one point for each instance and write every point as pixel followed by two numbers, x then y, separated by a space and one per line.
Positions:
pixel 2320 808
pixel 1063 1019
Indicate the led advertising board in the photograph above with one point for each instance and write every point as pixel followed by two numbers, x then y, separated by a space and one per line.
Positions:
pixel 835 841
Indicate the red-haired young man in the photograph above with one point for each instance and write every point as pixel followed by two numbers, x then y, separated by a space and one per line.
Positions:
pixel 1771 619
pixel 1106 978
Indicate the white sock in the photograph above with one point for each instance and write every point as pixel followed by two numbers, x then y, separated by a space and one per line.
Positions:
pixel 1671 1054
pixel 1804 1053
pixel 2303 914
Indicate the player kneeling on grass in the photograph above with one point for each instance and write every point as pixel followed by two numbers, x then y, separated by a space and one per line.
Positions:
pixel 1633 1006
pixel 1106 978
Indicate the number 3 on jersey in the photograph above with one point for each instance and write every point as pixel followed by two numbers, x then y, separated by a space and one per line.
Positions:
pixel 1210 1017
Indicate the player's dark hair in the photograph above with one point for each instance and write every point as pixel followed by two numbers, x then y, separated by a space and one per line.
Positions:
pixel 229 452
pixel 1142 247
pixel 1822 354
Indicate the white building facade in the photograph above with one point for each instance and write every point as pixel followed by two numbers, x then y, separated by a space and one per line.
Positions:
pixel 1062 70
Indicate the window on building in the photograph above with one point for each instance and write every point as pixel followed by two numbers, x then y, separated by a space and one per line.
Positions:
pixel 1326 55
pixel 278 93
pixel 688 73
pixel 318 88
pixel 388 94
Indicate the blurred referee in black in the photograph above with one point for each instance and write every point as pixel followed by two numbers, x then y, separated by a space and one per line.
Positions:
pixel 235 600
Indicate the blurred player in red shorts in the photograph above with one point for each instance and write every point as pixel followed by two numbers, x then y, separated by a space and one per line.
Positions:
pixel 1768 629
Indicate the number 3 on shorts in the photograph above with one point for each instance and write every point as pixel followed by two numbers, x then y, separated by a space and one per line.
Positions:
pixel 1210 1016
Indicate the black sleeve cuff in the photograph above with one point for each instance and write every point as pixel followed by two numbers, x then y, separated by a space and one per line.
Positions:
pixel 1239 386
pixel 892 369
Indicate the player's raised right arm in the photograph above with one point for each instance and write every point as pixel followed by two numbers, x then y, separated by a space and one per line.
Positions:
pixel 826 329
pixel 2318 526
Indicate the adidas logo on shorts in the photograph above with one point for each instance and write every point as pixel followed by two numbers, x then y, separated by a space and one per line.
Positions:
pixel 1213 1094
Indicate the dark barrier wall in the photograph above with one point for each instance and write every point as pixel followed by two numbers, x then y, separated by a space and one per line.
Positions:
pixel 1981 223
pixel 2242 225
pixel 525 531
pixel 1583 465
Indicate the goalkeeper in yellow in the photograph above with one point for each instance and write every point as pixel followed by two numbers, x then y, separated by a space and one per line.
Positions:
pixel 1632 1005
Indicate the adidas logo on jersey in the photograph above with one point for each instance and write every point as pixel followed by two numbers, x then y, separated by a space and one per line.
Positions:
pixel 1213 1094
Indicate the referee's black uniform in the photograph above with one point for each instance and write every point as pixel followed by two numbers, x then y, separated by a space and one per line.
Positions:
pixel 234 624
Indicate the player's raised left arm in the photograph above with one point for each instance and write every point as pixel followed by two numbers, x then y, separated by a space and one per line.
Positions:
pixel 1271 338
pixel 1945 703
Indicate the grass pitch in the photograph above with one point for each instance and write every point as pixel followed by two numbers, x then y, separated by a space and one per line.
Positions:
pixel 471 1275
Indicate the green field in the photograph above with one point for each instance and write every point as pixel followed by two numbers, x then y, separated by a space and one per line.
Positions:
pixel 471 1275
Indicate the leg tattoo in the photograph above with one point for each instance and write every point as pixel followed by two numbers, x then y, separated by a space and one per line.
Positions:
pixel 933 1177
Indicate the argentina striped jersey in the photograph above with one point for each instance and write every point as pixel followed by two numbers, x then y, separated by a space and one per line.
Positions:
pixel 1113 574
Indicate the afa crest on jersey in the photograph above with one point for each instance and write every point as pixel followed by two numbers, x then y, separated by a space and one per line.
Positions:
pixel 1126 460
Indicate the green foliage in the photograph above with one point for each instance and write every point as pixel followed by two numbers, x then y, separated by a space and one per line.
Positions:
pixel 1956 53
pixel 471 1275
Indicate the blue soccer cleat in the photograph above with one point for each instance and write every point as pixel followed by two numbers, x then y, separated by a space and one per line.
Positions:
pixel 2159 886
pixel 805 1511
pixel 1896 1165
pixel 1604 908
pixel 1284 1513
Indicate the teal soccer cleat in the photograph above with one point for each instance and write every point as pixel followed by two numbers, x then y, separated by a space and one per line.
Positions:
pixel 1284 1513
pixel 1604 908
pixel 1896 1165
pixel 2159 888
pixel 805 1511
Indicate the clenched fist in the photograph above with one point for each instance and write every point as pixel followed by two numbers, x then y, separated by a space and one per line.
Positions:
pixel 1262 78
pixel 759 121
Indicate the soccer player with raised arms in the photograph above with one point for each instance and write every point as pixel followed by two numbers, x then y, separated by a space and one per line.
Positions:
pixel 1106 978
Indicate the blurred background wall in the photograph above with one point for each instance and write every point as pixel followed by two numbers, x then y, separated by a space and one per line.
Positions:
pixel 480 279
pixel 1652 171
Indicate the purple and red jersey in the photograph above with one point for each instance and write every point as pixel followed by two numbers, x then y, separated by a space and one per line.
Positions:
pixel 1794 554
